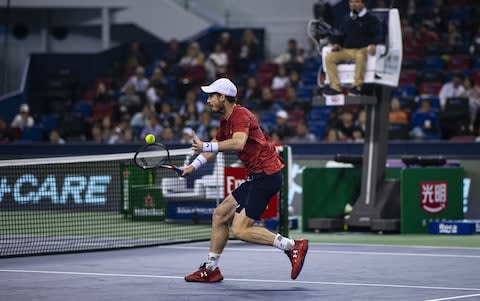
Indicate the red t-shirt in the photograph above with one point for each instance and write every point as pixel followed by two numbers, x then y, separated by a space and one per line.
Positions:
pixel 258 154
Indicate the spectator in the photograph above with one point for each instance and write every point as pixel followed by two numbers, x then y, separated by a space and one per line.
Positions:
pixel 140 119
pixel 475 42
pixel 396 114
pixel 206 123
pixel 452 40
pixel 191 109
pixel 217 63
pixel 346 126
pixel 193 57
pixel 135 57
pixel 291 102
pixel 96 134
pixel 187 136
pixel 158 89
pixel 472 92
pixel 23 118
pixel 437 15
pixel 228 45
pixel 121 133
pixel 361 123
pixel 167 115
pixel 267 100
pixel 248 51
pixel 302 134
pixel 152 127
pixel 293 59
pixel 253 94
pixel 5 134
pixel 102 94
pixel 293 79
pixel 168 136
pixel 171 58
pixel 332 135
pixel 359 37
pixel 425 122
pixel 138 81
pixel 281 127
pixel 453 88
pixel 55 137
pixel 130 101
pixel 280 80
pixel 427 36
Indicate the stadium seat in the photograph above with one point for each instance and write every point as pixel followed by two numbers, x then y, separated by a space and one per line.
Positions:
pixel 49 121
pixel 455 118
pixel 305 92
pixel 405 91
pixel 408 76
pixel 33 134
pixel 432 88
pixel 458 63
pixel 433 63
pixel 318 128
pixel 83 109
pixel 398 131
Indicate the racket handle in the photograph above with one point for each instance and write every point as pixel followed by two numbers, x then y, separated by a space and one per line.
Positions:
pixel 178 170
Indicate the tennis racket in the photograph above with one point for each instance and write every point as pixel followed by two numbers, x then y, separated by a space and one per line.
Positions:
pixel 153 156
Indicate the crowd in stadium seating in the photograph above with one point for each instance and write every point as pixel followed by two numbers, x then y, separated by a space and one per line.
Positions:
pixel 438 96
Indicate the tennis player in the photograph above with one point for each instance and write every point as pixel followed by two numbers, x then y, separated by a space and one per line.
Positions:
pixel 239 131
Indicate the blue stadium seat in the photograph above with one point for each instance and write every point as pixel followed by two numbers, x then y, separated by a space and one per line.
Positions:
pixel 83 109
pixel 433 63
pixel 318 128
pixel 49 121
pixel 407 90
pixel 305 92
pixel 33 134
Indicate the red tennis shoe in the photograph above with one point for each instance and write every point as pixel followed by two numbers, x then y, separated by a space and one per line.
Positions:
pixel 297 256
pixel 205 275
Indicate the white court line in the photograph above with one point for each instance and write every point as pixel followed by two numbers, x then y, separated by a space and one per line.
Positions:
pixel 394 246
pixel 455 297
pixel 249 280
pixel 330 252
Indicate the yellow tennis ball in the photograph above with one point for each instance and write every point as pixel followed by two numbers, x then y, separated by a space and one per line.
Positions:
pixel 150 139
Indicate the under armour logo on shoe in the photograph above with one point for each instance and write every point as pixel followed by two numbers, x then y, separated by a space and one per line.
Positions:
pixel 295 253
pixel 203 274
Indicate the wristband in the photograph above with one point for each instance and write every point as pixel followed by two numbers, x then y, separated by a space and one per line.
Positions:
pixel 199 161
pixel 210 147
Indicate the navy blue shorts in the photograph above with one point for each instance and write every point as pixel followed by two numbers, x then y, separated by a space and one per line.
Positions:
pixel 255 193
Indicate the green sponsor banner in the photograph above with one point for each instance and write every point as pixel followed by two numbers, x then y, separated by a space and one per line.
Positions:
pixel 326 191
pixel 147 204
pixel 430 194
pixel 139 198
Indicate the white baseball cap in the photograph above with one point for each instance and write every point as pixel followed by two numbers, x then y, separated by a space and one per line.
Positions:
pixel 222 86
pixel 24 108
pixel 282 114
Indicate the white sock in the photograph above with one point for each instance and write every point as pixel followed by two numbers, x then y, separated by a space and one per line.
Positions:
pixel 212 261
pixel 283 243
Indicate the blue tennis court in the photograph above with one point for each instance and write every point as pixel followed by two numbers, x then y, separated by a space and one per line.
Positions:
pixel 331 272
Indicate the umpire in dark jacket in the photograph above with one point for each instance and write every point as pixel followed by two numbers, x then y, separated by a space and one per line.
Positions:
pixel 360 34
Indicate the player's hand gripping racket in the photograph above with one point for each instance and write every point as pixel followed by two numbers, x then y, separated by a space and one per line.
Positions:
pixel 156 155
